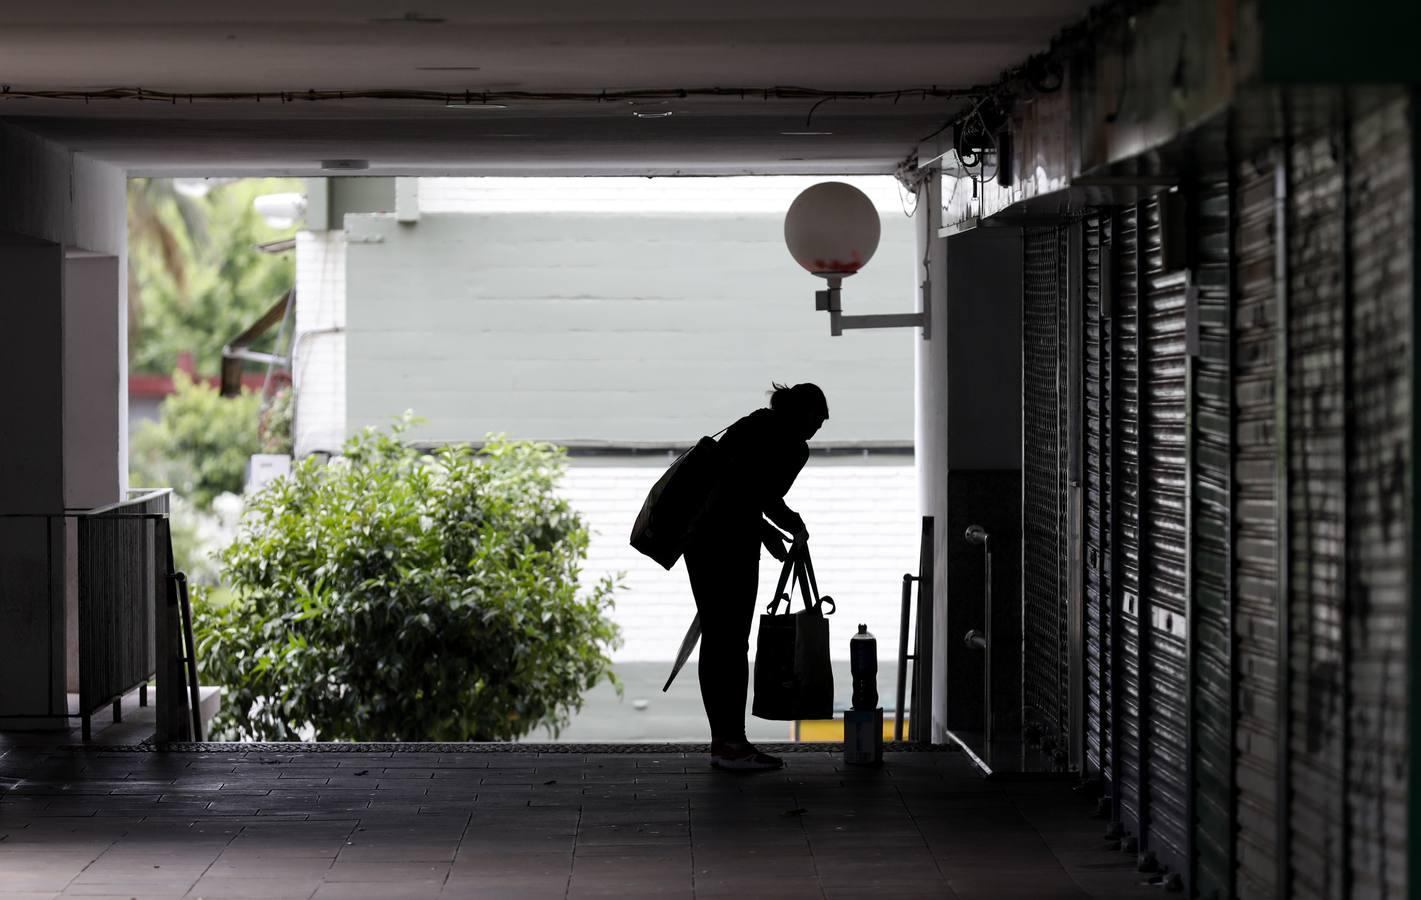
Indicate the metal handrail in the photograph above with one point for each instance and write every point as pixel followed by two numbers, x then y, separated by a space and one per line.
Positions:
pixel 982 640
pixel 136 497
pixel 903 655
pixel 919 727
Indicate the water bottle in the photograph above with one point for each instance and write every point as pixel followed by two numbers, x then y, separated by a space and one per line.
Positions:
pixel 863 665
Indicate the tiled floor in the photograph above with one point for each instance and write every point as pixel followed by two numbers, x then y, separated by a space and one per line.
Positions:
pixel 256 824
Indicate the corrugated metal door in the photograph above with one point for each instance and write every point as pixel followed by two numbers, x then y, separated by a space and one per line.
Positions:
pixel 1380 217
pixel 1322 357
pixel 1316 514
pixel 1256 477
pixel 1210 623
pixel 1044 473
pixel 1098 498
pixel 1164 609
pixel 1125 491
pixel 1246 438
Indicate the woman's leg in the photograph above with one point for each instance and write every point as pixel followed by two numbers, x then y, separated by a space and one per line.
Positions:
pixel 724 579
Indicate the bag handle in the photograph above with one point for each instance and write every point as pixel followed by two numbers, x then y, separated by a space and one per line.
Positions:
pixel 798 565
pixel 785 570
pixel 807 571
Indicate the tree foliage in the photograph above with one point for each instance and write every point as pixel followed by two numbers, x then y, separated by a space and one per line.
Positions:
pixel 393 595
pixel 196 279
pixel 200 443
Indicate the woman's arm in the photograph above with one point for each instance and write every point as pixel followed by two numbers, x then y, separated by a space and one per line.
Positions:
pixel 780 513
pixel 782 479
pixel 773 540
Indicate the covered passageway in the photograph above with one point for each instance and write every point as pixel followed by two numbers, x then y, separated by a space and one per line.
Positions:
pixel 1164 321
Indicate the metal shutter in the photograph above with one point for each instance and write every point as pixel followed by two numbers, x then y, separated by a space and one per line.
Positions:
pixel 1380 206
pixel 1316 513
pixel 1044 684
pixel 1163 548
pixel 1210 624
pixel 1126 495
pixel 1256 613
pixel 1098 520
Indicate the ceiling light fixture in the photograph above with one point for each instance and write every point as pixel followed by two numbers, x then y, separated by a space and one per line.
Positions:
pixel 653 115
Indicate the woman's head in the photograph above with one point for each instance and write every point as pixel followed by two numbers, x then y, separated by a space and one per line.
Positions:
pixel 804 404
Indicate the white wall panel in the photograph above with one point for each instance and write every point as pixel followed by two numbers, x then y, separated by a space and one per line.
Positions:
pixel 589 328
pixel 320 359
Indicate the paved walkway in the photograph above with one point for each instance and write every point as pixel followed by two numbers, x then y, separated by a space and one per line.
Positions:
pixel 539 822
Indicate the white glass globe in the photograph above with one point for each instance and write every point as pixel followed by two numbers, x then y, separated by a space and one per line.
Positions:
pixel 832 229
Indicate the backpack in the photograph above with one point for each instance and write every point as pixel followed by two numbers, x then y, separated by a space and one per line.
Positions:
pixel 676 502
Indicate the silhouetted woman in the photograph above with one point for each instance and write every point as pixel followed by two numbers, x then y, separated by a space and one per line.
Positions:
pixel 762 455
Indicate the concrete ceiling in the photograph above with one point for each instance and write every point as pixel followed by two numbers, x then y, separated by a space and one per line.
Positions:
pixel 506 48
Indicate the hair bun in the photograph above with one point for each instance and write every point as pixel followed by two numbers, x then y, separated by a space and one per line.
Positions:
pixel 802 396
pixel 781 397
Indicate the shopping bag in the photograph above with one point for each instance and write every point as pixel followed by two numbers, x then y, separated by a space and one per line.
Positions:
pixel 793 677
pixel 675 503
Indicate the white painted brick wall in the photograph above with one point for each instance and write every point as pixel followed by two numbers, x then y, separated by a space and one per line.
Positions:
pixel 320 357
pixel 584 328
pixel 864 527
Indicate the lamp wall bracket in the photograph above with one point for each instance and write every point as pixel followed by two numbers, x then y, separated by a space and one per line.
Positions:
pixel 831 301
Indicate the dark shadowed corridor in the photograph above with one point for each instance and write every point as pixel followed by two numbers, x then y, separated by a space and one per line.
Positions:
pixel 376 821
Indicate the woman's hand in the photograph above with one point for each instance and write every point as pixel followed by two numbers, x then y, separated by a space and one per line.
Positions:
pixel 801 537
pixel 775 543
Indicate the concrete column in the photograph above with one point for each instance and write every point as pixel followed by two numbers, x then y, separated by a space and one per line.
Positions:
pixel 93 381
pixel 930 430
pixel 95 417
pixel 57 446
pixel 63 451
pixel 32 536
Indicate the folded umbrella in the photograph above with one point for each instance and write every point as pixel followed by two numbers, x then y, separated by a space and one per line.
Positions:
pixel 688 643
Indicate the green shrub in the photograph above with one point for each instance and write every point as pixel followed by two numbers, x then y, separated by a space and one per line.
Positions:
pixel 200 444
pixel 391 595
